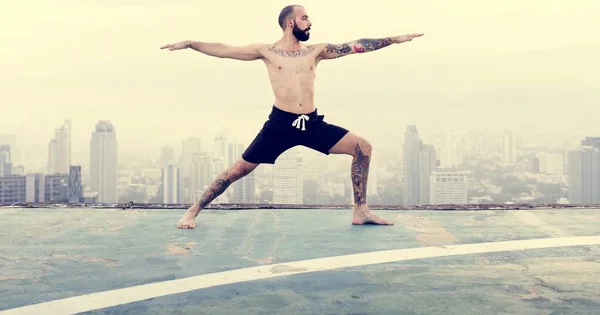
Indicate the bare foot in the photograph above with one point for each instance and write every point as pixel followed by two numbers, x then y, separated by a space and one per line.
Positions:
pixel 187 221
pixel 362 217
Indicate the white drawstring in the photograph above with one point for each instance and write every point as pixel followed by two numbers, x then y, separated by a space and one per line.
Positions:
pixel 300 122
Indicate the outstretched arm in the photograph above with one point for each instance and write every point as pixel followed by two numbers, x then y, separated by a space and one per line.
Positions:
pixel 332 51
pixel 219 50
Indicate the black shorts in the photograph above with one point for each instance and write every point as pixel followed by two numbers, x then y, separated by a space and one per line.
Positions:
pixel 284 130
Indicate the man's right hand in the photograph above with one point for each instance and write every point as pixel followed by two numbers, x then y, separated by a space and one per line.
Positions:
pixel 177 46
pixel 405 38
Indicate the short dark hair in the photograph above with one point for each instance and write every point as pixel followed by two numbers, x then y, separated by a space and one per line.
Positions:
pixel 286 13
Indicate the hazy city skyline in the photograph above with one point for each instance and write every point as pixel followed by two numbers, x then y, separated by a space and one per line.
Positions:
pixel 470 168
pixel 502 65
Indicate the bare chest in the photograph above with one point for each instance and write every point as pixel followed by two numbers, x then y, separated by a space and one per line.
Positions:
pixel 290 63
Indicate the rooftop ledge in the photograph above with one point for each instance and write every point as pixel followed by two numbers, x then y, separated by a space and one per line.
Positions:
pixel 236 206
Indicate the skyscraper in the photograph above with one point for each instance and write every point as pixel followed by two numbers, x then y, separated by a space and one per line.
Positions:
pixel 5 160
pixel 419 161
pixel 427 164
pixel 172 184
pixel 412 157
pixel 584 173
pixel 373 178
pixel 454 150
pixel 219 159
pixel 288 179
pixel 75 193
pixel 189 149
pixel 201 175
pixel 167 155
pixel 509 155
pixel 59 150
pixel 35 188
pixel 593 142
pixel 11 141
pixel 574 171
pixel 243 190
pixel 103 162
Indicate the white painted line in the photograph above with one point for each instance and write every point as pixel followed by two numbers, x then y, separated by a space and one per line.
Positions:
pixel 98 300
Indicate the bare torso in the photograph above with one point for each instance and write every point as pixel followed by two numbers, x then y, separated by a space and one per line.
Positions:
pixel 292 77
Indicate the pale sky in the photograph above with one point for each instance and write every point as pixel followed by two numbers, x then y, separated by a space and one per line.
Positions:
pixel 515 64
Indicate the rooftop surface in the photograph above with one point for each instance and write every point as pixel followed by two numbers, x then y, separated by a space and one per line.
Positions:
pixel 282 261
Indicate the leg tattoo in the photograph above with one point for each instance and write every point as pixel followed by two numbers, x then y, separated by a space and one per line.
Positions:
pixel 360 173
pixel 221 184
pixel 217 188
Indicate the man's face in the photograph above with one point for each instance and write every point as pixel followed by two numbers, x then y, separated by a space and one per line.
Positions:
pixel 302 24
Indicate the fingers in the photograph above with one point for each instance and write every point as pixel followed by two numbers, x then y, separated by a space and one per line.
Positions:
pixel 411 36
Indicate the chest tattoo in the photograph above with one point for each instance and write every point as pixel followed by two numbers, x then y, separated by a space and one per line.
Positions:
pixel 290 53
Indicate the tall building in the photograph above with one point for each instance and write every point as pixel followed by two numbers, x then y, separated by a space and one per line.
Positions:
pixel 11 141
pixel 427 164
pixel 412 157
pixel 220 159
pixel 59 150
pixel 243 190
pixel 480 146
pixel 593 142
pixel 287 177
pixel 584 173
pixel 172 184
pixel 419 161
pixel 189 149
pixel 201 175
pixel 509 154
pixel 453 152
pixel 449 186
pixel 167 155
pixel 5 160
pixel 75 193
pixel 103 162
pixel 35 188
pixel 373 179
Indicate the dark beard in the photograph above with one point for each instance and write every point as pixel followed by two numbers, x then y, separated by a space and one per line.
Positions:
pixel 300 34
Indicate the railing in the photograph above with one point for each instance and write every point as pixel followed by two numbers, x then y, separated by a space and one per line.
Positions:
pixel 241 206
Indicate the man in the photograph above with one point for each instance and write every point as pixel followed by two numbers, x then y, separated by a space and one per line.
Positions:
pixel 294 119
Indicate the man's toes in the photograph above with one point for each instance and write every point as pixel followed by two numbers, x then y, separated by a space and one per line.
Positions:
pixel 387 222
pixel 383 221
